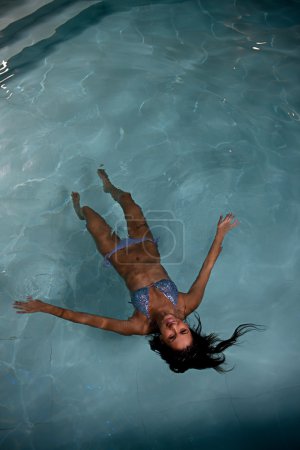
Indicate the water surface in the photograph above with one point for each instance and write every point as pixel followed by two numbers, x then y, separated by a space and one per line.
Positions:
pixel 194 108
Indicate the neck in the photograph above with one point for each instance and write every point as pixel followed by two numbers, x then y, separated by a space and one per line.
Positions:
pixel 157 316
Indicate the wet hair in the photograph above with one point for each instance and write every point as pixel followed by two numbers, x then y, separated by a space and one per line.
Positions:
pixel 205 352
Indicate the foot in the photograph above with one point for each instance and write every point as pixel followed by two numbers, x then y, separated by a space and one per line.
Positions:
pixel 76 205
pixel 104 177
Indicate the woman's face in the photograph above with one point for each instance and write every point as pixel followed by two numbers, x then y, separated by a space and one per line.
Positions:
pixel 175 333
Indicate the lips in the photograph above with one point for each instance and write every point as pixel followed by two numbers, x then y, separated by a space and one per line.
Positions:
pixel 169 319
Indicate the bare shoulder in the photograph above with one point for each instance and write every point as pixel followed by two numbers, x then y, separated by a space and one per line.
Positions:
pixel 185 303
pixel 181 303
pixel 139 324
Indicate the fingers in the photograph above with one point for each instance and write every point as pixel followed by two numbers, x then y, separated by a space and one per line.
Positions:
pixel 227 220
pixel 24 307
pixel 229 217
pixel 19 305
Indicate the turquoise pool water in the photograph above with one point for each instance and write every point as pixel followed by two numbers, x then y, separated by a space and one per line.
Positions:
pixel 194 107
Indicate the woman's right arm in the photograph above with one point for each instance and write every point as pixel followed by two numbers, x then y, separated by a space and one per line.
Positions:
pixel 196 292
pixel 125 327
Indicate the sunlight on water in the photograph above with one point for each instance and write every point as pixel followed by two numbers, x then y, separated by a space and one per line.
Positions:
pixel 5 76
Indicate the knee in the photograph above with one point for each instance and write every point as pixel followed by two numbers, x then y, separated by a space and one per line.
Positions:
pixel 86 211
pixel 92 223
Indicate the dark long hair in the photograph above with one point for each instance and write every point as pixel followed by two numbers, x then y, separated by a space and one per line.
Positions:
pixel 205 352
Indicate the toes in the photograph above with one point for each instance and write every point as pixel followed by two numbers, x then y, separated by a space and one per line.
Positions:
pixel 102 173
pixel 75 196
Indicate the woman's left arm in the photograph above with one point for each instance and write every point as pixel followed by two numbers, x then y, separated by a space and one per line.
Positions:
pixel 125 327
pixel 196 292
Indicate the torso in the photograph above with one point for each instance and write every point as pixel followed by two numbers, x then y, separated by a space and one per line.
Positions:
pixel 158 302
pixel 139 266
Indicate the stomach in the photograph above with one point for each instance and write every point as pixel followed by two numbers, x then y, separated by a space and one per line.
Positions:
pixel 141 278
pixel 139 265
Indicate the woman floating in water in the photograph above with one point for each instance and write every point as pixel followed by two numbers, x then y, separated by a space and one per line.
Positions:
pixel 160 310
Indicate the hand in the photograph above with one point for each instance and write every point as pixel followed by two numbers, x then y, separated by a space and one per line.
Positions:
pixel 225 225
pixel 30 306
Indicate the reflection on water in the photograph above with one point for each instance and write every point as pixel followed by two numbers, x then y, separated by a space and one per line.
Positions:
pixel 4 77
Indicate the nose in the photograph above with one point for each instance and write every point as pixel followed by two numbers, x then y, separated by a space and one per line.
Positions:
pixel 171 324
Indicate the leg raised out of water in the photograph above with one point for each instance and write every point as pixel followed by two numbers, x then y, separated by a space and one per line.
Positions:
pixel 76 205
pixel 105 238
pixel 136 222
pixel 115 192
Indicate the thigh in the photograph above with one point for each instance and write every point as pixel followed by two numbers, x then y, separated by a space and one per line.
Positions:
pixel 105 242
pixel 137 225
pixel 105 238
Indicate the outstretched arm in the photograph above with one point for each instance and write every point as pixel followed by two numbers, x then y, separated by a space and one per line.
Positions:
pixel 194 297
pixel 125 327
